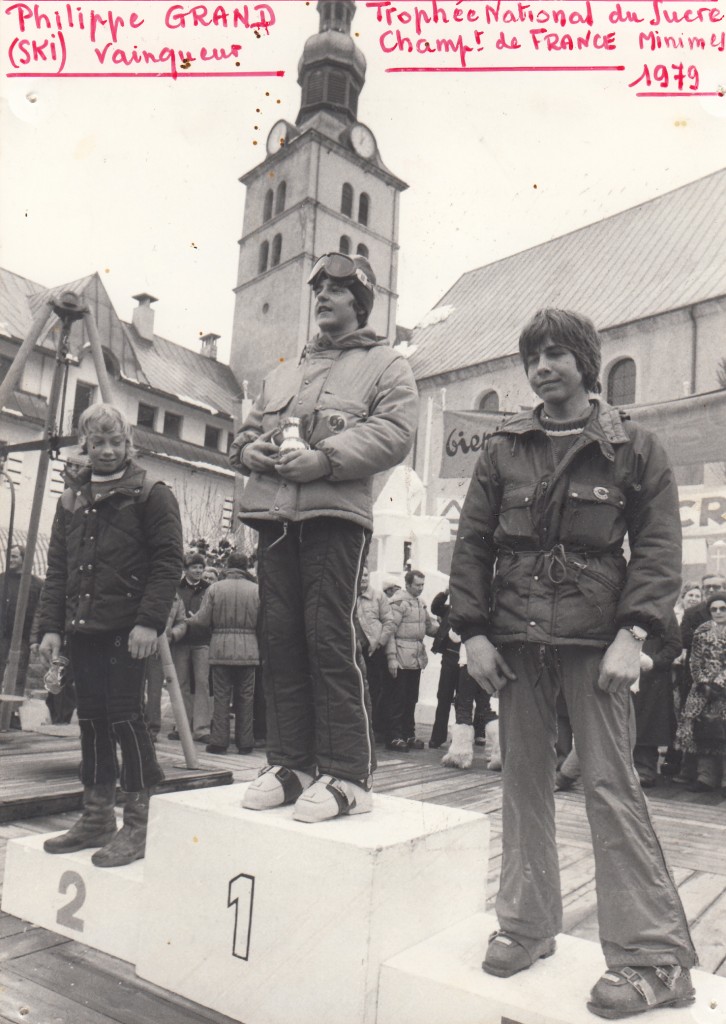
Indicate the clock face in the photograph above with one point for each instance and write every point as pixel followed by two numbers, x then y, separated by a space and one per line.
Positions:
pixel 363 141
pixel 277 137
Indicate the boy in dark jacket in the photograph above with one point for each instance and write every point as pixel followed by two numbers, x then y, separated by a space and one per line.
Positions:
pixel 354 400
pixel 545 601
pixel 114 561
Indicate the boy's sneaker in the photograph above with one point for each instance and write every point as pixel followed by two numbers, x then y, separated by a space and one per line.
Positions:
pixel 329 797
pixel 625 991
pixel 274 787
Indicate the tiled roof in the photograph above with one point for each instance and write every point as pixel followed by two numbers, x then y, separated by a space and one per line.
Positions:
pixel 164 366
pixel 150 443
pixel 665 254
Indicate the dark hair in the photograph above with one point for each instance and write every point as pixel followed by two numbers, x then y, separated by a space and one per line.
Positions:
pixel 412 574
pixel 720 595
pixel 238 560
pixel 571 330
pixel 194 559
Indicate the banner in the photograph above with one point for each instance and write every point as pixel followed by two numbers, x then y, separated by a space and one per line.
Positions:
pixel 692 430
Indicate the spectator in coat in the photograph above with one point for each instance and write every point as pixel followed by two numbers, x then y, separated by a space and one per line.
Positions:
pixel 407 657
pixel 377 627
pixel 191 654
pixel 114 560
pixel 653 701
pixel 230 609
pixel 9 587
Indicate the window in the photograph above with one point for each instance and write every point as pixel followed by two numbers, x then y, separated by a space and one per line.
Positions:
pixel 316 87
pixel 172 424
pixel 362 250
pixel 621 383
pixel 83 398
pixel 281 197
pixel 344 244
pixel 276 250
pixel 267 208
pixel 488 402
pixel 212 437
pixel 147 416
pixel 346 200
pixel 263 257
pixel 363 208
pixel 5 364
pixel 337 82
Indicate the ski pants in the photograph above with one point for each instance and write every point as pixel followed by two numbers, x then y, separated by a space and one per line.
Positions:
pixel 640 915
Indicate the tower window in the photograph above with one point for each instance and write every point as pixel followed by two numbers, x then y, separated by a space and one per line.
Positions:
pixel 267 209
pixel 337 88
pixel 362 250
pixel 363 208
pixel 621 383
pixel 281 197
pixel 488 402
pixel 344 244
pixel 346 200
pixel 316 87
pixel 276 250
pixel 263 257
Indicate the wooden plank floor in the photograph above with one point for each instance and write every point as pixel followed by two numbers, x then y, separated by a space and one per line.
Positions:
pixel 46 979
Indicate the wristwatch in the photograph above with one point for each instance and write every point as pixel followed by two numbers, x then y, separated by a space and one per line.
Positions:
pixel 638 633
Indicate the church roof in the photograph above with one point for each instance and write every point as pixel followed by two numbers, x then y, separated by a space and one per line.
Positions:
pixel 665 254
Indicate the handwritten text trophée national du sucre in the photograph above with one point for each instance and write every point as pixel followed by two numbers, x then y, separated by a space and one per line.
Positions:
pixel 657 47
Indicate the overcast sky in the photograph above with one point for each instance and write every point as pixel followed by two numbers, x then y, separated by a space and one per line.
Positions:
pixel 138 179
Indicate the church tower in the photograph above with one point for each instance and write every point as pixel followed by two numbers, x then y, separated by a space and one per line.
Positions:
pixel 322 187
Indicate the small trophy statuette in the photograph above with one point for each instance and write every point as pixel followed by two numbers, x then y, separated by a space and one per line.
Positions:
pixel 53 679
pixel 291 440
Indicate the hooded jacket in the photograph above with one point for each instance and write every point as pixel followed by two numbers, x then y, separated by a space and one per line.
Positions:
pixel 539 553
pixel 115 562
pixel 358 403
pixel 229 610
pixel 412 623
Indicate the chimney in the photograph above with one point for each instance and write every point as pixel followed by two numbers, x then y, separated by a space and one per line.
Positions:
pixel 143 316
pixel 209 345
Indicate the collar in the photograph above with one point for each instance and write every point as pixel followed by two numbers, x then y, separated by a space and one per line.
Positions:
pixel 129 482
pixel 606 427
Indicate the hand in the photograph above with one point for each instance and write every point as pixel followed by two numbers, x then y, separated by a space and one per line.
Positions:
pixel 142 642
pixel 302 466
pixel 646 662
pixel 34 648
pixel 50 648
pixel 393 668
pixel 486 666
pixel 261 455
pixel 681 659
pixel 620 666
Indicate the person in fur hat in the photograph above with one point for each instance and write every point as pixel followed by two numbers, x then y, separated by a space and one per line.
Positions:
pixel 545 602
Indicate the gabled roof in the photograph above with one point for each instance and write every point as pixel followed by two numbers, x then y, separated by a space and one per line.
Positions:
pixel 664 254
pixel 163 366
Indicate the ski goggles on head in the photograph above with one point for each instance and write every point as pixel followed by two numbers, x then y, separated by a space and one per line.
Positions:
pixel 339 267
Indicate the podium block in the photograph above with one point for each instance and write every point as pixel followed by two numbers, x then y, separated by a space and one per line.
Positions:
pixel 441 979
pixel 269 920
pixel 66 893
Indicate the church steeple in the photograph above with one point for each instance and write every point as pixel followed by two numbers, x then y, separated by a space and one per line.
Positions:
pixel 332 69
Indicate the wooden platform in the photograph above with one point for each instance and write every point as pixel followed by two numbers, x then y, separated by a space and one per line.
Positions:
pixel 46 979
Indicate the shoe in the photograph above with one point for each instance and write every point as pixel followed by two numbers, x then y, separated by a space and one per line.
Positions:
pixel 214 748
pixel 434 746
pixel 507 954
pixel 480 741
pixel 173 735
pixel 242 750
pixel 129 844
pixel 700 787
pixel 400 745
pixel 95 827
pixel 414 744
pixel 204 738
pixel 461 750
pixel 275 786
pixel 646 781
pixel 331 798
pixel 563 783
pixel 627 991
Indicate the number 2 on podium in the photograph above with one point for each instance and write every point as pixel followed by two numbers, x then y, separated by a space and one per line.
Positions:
pixel 241 897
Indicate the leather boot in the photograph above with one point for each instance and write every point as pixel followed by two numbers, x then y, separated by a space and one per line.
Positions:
pixel 130 843
pixel 95 827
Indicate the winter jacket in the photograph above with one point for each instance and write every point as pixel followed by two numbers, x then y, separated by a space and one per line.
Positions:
pixel 358 403
pixel 413 623
pixel 192 594
pixel 113 563
pixel 9 587
pixel 653 702
pixel 176 623
pixel 229 608
pixel 539 557
pixel 375 618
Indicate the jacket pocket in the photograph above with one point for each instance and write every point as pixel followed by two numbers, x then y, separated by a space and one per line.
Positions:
pixel 600 588
pixel 276 405
pixel 593 516
pixel 335 413
pixel 515 514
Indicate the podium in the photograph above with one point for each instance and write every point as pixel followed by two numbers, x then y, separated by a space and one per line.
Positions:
pixel 269 920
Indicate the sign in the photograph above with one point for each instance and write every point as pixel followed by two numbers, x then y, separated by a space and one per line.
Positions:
pixel 703 511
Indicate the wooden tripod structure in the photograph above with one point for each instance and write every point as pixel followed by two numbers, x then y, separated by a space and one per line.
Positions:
pixel 67 308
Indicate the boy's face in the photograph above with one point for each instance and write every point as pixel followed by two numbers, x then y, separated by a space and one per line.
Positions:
pixel 107 452
pixel 334 307
pixel 554 376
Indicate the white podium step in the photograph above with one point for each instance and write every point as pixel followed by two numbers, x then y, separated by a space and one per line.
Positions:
pixel 270 921
pixel 441 979
pixel 66 893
